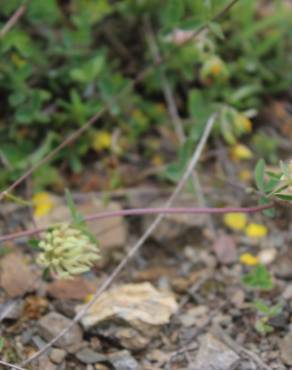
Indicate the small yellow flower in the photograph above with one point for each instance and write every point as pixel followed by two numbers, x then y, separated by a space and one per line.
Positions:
pixel 101 140
pixel 215 68
pixel 248 259
pixel 157 160
pixel 257 231
pixel 245 175
pixel 240 152
pixel 235 221
pixel 43 203
pixel 17 60
pixel 88 298
pixel 243 123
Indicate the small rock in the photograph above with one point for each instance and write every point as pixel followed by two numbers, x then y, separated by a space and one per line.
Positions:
pixel 16 278
pixel 27 335
pixel 88 356
pixel 215 355
pixel 53 323
pixel 74 348
pixel 57 355
pixel 101 367
pixel 286 349
pixel 237 297
pixel 123 360
pixel 280 321
pixel 11 310
pixel 175 225
pixel 131 313
pixel 78 288
pixel 158 357
pixel 287 294
pixel 39 342
pixel 283 265
pixel 195 316
pixel 45 364
pixel 225 249
pixel 104 227
pixel 66 308
pixel 95 343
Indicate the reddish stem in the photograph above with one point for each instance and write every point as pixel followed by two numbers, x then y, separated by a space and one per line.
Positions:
pixel 146 211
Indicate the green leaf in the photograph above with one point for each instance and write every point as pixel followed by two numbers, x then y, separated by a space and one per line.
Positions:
pixel 34 244
pixel 263 328
pixel 270 185
pixel 267 212
pixel 261 306
pixel 258 278
pixel 1 343
pixel 260 174
pixel 286 197
pixel 76 216
pixel 217 30
pixel 173 12
pixel 285 169
pixel 78 220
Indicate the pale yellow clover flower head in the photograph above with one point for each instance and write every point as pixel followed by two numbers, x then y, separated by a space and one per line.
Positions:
pixel 67 251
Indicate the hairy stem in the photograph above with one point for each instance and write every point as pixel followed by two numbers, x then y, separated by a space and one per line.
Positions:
pixel 147 211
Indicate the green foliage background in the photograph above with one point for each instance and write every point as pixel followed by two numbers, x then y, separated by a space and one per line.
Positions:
pixel 65 59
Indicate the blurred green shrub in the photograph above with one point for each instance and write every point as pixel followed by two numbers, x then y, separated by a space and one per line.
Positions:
pixel 65 59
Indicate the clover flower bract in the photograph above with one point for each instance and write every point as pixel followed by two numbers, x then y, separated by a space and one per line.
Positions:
pixel 67 251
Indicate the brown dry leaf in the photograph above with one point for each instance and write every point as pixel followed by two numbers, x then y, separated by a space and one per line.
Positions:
pixel 78 288
pixel 16 278
pixel 34 307
pixel 225 249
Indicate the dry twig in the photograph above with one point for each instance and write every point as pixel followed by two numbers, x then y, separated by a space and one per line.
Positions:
pixel 13 19
pixel 7 364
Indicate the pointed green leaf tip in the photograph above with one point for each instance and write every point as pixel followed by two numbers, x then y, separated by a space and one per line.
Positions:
pixel 76 216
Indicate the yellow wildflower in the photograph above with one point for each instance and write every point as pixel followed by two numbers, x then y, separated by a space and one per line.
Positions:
pixel 243 123
pixel 214 67
pixel 235 221
pixel 254 230
pixel 88 298
pixel 245 175
pixel 17 60
pixel 248 259
pixel 157 160
pixel 43 203
pixel 240 152
pixel 101 140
